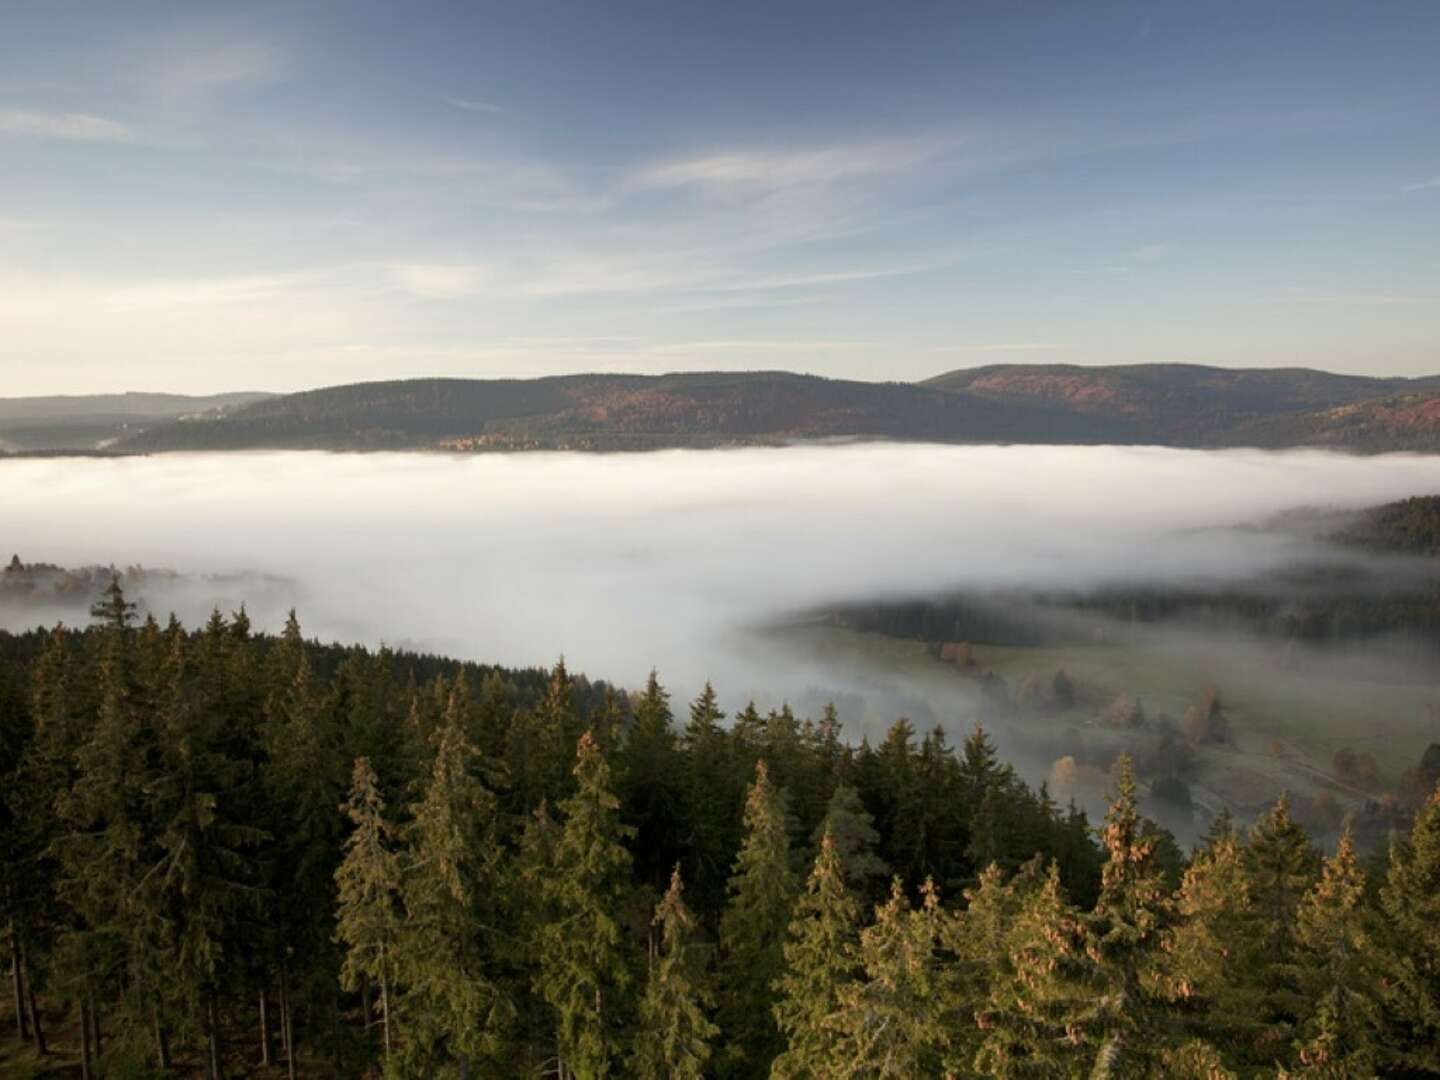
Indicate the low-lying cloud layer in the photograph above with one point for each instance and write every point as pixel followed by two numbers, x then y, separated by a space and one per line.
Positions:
pixel 668 560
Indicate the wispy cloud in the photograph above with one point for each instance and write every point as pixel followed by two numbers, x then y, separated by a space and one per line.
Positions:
pixel 81 127
pixel 776 169
pixel 469 105
pixel 440 281
pixel 1425 185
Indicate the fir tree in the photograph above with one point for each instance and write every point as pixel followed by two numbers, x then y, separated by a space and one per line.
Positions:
pixel 752 931
pixel 1410 900
pixel 1126 926
pixel 1038 1020
pixel 893 1018
pixel 1335 956
pixel 821 960
pixel 368 882
pixel 444 956
pixel 675 1036
pixel 584 969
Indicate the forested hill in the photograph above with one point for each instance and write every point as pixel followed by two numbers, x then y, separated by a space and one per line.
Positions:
pixel 1163 404
pixel 1194 405
pixel 91 421
pixel 616 412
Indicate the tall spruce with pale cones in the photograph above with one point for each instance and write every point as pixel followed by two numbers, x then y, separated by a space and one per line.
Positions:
pixel 1410 900
pixel 585 962
pixel 892 1019
pixel 1335 952
pixel 821 960
pixel 1124 939
pixel 674 1039
pixel 368 884
pixel 753 927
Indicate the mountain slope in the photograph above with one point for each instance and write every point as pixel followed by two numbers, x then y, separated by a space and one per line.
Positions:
pixel 1193 405
pixel 610 412
pixel 85 422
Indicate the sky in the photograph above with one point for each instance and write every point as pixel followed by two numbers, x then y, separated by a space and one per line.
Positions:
pixel 206 197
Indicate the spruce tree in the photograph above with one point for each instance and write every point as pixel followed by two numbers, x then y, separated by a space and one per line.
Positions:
pixel 1281 865
pixel 675 1037
pixel 444 956
pixel 584 967
pixel 1125 931
pixel 892 1019
pixel 1341 1037
pixel 851 829
pixel 763 889
pixel 821 960
pixel 649 784
pixel 1039 1020
pixel 1410 900
pixel 368 884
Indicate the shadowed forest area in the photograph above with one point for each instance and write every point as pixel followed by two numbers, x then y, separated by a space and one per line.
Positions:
pixel 229 854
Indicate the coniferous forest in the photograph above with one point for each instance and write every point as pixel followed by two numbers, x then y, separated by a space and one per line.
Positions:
pixel 232 854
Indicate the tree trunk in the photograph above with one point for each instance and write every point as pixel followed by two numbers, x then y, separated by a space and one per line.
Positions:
pixel 162 1041
pixel 22 1027
pixel 216 1049
pixel 385 1000
pixel 287 1025
pixel 264 1027
pixel 36 1030
pixel 96 1045
pixel 87 1070
pixel 337 1049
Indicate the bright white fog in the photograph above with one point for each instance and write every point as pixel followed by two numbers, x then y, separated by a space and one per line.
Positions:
pixel 624 562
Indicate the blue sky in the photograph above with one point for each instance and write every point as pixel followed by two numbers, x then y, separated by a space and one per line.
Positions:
pixel 206 197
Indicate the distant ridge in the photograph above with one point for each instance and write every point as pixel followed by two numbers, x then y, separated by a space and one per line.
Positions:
pixel 92 421
pixel 616 412
pixel 1180 405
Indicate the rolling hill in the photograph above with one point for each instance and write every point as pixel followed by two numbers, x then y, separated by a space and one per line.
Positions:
pixel 1160 404
pixel 91 421
pixel 616 412
pixel 1193 405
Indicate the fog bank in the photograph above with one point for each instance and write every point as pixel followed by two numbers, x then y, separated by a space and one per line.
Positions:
pixel 667 560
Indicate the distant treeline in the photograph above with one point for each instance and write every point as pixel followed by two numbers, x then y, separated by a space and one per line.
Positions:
pixel 230 853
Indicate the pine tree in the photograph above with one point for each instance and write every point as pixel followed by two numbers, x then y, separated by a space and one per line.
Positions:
pixel 712 798
pixel 443 956
pixel 368 883
pixel 763 889
pixel 1410 900
pixel 821 959
pixel 675 1036
pixel 584 970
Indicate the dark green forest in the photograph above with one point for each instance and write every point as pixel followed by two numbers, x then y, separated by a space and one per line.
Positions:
pixel 226 853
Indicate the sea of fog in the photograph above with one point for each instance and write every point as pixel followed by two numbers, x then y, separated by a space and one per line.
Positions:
pixel 670 560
